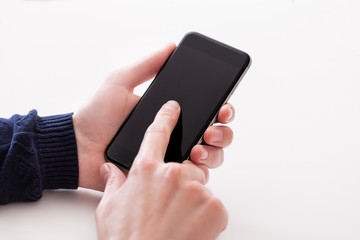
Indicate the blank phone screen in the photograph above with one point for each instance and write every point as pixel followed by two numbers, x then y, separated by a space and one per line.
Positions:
pixel 199 81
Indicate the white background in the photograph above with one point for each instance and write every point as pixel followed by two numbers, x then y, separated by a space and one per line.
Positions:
pixel 292 171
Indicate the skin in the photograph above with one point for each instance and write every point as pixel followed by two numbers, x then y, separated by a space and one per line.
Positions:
pixel 97 122
pixel 163 200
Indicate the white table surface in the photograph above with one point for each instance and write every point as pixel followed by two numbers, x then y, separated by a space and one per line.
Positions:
pixel 292 171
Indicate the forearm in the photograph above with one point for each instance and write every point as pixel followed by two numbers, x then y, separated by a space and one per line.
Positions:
pixel 36 153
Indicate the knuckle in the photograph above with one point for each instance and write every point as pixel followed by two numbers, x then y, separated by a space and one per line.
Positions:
pixel 217 207
pixel 173 172
pixel 216 204
pixel 203 174
pixel 194 187
pixel 145 165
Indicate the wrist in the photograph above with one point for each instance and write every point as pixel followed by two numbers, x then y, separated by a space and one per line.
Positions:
pixel 90 158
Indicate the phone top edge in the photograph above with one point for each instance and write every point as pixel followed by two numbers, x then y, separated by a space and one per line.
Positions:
pixel 199 35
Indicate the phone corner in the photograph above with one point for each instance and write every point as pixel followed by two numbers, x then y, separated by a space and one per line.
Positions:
pixel 191 33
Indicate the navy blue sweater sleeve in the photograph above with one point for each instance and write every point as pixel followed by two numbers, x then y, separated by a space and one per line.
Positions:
pixel 36 153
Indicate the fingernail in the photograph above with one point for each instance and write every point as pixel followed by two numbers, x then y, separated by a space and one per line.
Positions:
pixel 231 115
pixel 172 105
pixel 107 172
pixel 217 135
pixel 204 154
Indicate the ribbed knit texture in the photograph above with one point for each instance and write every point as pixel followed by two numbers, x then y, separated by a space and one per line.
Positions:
pixel 36 153
pixel 57 152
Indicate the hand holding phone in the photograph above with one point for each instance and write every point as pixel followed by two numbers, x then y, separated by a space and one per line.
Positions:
pixel 200 75
pixel 170 197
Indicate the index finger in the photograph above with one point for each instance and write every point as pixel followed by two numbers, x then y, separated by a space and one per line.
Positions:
pixel 157 136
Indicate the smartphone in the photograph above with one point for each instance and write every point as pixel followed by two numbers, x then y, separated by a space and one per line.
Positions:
pixel 201 74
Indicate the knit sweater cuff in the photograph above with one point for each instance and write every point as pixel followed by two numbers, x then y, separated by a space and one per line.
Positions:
pixel 57 152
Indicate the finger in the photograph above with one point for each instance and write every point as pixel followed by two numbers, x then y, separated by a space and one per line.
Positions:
pixel 113 177
pixel 190 171
pixel 157 135
pixel 226 113
pixel 211 157
pixel 218 136
pixel 147 68
pixel 202 171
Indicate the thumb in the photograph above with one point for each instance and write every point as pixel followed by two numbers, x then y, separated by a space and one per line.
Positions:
pixel 147 68
pixel 113 177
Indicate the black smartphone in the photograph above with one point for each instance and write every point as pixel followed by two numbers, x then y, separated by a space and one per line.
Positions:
pixel 200 75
